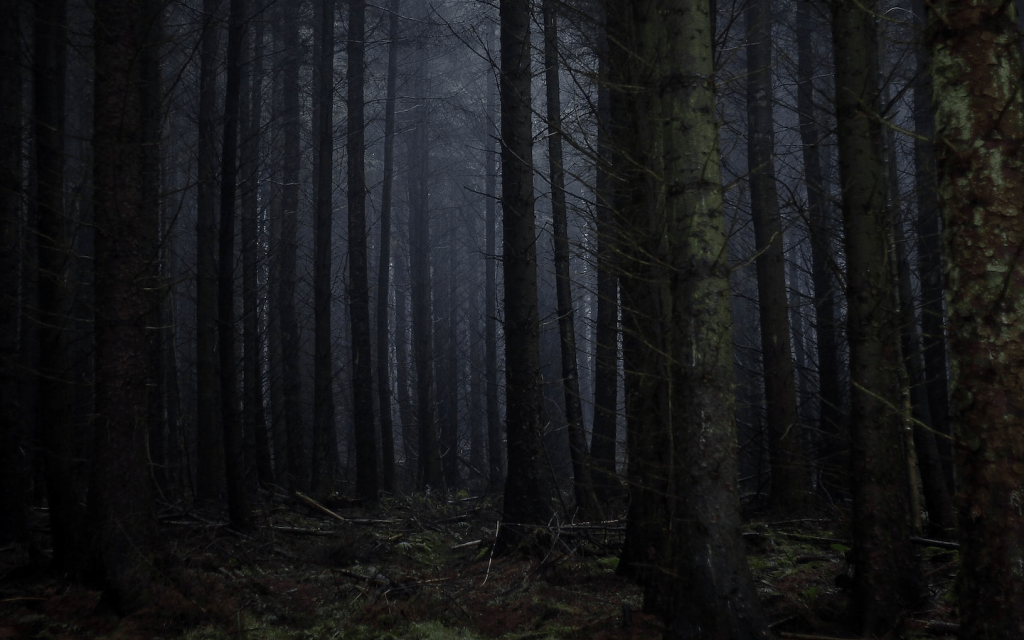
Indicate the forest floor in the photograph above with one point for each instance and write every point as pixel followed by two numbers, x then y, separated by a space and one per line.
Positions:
pixel 420 569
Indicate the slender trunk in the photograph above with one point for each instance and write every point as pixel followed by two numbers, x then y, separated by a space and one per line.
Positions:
pixel 830 415
pixel 254 416
pixel 296 461
pixel 606 331
pixel 325 449
pixel 54 414
pixel 14 503
pixel 495 447
pixel 387 433
pixel 979 121
pixel 886 579
pixel 429 472
pixel 929 256
pixel 526 488
pixel 586 500
pixel 367 481
pixel 123 525
pixel 406 411
pixel 234 467
pixel 209 438
pixel 789 485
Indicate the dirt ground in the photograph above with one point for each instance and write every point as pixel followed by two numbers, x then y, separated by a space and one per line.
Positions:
pixel 420 569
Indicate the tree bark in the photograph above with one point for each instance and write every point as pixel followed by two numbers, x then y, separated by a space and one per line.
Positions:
pixel 429 473
pixel 606 330
pixel 209 436
pixel 325 449
pixel 234 466
pixel 685 384
pixel 367 481
pixel 253 413
pixel 526 490
pixel 979 122
pixel 387 432
pixel 886 576
pixel 789 477
pixel 57 432
pixel 296 461
pixel 583 488
pixel 495 446
pixel 929 257
pixel 14 503
pixel 819 222
pixel 120 501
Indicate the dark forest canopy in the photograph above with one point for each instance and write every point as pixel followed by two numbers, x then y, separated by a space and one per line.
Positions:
pixel 669 262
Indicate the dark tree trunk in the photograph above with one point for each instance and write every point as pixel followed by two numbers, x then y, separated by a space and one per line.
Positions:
pixel 296 461
pixel 120 501
pixel 367 481
pixel 929 257
pixel 684 360
pixel 57 432
pixel 979 122
pixel 387 432
pixel 209 437
pixel 254 415
pixel 830 416
pixel 583 488
pixel 448 369
pixel 406 411
pixel 14 503
pixel 429 472
pixel 495 446
pixel 789 483
pixel 325 449
pixel 526 489
pixel 606 330
pixel 886 580
pixel 234 466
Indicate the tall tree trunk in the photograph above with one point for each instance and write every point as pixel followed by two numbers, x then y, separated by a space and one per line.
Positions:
pixel 57 430
pixel 234 466
pixel 526 489
pixel 495 447
pixel 606 330
pixel 448 369
pixel 706 589
pixel 325 449
pixel 429 472
pixel 789 486
pixel 387 432
pixel 929 256
pixel 209 437
pixel 254 419
pixel 14 503
pixel 367 481
pixel 296 460
pixel 583 488
pixel 830 415
pixel 979 122
pixel 406 411
pixel 120 501
pixel 886 576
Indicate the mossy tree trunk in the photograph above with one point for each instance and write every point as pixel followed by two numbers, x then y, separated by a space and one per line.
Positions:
pixel 980 154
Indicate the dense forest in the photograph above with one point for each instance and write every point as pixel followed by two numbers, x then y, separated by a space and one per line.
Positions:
pixel 672 266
